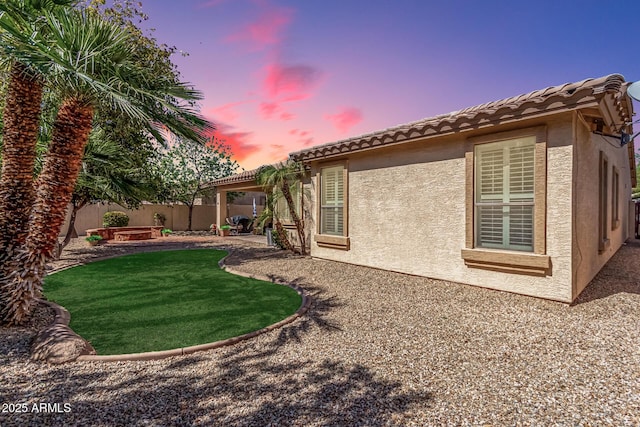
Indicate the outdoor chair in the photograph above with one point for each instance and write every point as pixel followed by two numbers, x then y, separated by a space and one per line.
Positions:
pixel 234 226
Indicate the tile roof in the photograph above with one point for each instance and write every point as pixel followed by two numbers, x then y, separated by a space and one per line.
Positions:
pixel 540 102
pixel 242 177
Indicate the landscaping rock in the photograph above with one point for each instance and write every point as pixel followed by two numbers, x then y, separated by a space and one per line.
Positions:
pixel 59 344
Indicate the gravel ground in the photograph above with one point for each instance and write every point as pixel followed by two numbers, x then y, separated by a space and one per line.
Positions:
pixel 376 348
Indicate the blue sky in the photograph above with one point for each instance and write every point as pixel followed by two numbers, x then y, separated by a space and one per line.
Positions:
pixel 279 75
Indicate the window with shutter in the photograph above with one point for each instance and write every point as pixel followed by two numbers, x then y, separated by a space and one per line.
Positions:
pixel 603 196
pixel 615 199
pixel 505 202
pixel 504 196
pixel 332 200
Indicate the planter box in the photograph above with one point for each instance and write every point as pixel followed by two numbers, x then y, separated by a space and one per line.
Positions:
pixel 108 233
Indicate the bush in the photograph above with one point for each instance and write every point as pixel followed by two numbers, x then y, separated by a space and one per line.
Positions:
pixel 93 238
pixel 276 239
pixel 115 219
pixel 159 219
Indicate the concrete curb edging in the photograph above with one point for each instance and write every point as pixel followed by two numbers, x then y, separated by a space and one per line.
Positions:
pixel 63 317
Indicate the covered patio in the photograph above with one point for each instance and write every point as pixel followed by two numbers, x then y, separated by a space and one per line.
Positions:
pixel 241 182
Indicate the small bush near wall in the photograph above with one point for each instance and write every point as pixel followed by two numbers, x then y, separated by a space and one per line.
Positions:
pixel 115 219
pixel 276 239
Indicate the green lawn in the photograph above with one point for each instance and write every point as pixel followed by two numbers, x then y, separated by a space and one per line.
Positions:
pixel 164 300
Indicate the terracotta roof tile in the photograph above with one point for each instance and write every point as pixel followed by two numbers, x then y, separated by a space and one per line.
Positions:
pixel 244 176
pixel 543 101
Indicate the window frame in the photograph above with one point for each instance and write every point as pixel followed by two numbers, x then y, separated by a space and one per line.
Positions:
pixel 615 198
pixel 603 202
pixel 331 240
pixel 505 201
pixel 535 262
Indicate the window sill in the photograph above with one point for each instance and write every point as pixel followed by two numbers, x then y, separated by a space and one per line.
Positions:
pixel 507 261
pixel 333 242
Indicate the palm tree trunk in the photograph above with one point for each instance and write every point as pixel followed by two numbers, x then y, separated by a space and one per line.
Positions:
pixel 286 192
pixel 76 205
pixel 54 189
pixel 282 236
pixel 20 133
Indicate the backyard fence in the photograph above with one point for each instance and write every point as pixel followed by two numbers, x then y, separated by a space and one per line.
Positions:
pixel 177 216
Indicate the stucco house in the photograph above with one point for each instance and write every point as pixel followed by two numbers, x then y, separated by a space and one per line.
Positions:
pixel 530 194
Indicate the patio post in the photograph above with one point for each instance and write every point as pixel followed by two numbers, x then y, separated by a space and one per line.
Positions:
pixel 221 207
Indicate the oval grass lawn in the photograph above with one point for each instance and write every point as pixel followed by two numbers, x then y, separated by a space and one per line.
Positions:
pixel 165 300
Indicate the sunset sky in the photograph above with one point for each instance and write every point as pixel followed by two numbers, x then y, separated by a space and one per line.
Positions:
pixel 281 75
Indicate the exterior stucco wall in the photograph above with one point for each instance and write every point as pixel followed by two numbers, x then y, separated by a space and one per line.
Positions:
pixel 406 211
pixel 587 260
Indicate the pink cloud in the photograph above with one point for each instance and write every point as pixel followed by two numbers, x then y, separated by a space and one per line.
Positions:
pixel 345 119
pixel 290 82
pixel 266 30
pixel 301 134
pixel 268 109
pixel 225 112
pixel 238 142
pixel 278 151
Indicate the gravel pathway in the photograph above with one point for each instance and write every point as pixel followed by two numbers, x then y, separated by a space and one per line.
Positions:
pixel 376 348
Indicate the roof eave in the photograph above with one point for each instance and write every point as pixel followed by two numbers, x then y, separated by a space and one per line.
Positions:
pixel 398 138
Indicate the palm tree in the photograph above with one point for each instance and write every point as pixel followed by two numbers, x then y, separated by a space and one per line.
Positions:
pixel 21 119
pixel 91 60
pixel 107 173
pixel 280 178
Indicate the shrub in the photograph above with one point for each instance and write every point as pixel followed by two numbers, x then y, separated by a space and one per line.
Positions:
pixel 159 218
pixel 166 231
pixel 115 219
pixel 225 227
pixel 276 239
pixel 93 238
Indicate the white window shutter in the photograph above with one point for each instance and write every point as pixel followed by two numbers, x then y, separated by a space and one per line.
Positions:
pixel 332 194
pixel 504 196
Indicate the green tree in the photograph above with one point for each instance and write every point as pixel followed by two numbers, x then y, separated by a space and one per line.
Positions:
pixel 188 166
pixel 91 60
pixel 282 180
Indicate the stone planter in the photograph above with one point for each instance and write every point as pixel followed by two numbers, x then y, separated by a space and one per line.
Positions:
pixel 224 233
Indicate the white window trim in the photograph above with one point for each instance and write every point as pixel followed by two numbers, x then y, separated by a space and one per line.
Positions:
pixel 503 201
pixel 331 240
pixel 615 199
pixel 536 262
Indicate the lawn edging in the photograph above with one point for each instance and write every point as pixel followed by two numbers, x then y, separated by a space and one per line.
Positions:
pixel 62 319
